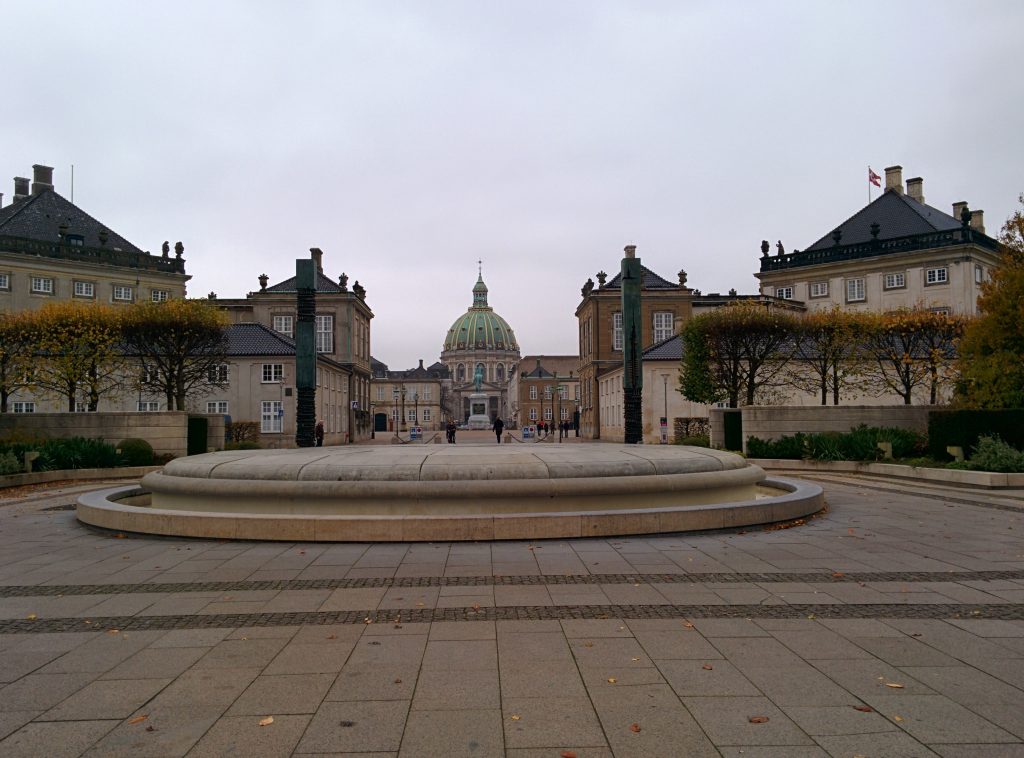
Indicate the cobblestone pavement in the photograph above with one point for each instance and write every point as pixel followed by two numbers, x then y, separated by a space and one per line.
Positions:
pixel 891 625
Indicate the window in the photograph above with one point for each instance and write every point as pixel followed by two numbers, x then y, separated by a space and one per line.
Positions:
pixel 617 331
pixel 895 281
pixel 577 393
pixel 784 293
pixel 5 281
pixel 563 391
pixel 271 417
pixel 217 374
pixel 426 414
pixel 380 393
pixel 941 309
pixel 217 406
pixel 122 294
pixel 158 296
pixel 24 407
pixel 547 414
pixel 284 325
pixel 75 240
pixel 979 275
pixel 426 393
pixel 460 372
pixel 81 407
pixel 85 289
pixel 410 415
pixel 663 325
pixel 854 290
pixel 394 414
pixel 499 372
pixel 42 285
pixel 819 289
pixel 533 414
pixel 325 334
pixel 565 413
pixel 273 372
pixel 147 406
pixel 547 392
pixel 533 391
pixel 936 275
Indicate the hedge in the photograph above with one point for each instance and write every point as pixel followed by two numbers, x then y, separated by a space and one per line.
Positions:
pixel 962 428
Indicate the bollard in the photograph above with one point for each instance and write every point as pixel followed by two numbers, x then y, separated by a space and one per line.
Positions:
pixel 957 452
pixel 30 456
pixel 886 448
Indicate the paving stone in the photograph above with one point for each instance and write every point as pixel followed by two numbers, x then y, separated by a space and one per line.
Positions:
pixel 373 681
pixel 468 630
pixel 935 718
pixel 837 720
pixel 889 744
pixel 727 721
pixel 679 643
pixel 534 647
pixel 164 732
pixel 690 678
pixel 314 658
pixel 205 688
pixel 156 663
pixel 455 733
pixel 980 751
pixel 904 651
pixel 550 722
pixel 38 692
pixel 581 752
pixel 190 638
pixel 368 726
pixel 106 700
pixel 759 751
pixel 523 678
pixel 796 684
pixel 456 689
pixel 269 695
pixel 62 739
pixel 461 655
pixel 241 653
pixel 12 721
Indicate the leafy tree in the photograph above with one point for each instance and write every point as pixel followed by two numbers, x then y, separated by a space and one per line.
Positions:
pixel 825 352
pixel 17 354
pixel 180 345
pixel 908 349
pixel 992 350
pixel 745 351
pixel 78 350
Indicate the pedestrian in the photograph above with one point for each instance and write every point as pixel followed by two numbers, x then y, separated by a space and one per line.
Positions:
pixel 318 433
pixel 498 427
pixel 450 429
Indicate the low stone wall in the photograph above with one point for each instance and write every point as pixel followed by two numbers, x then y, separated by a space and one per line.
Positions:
pixel 166 431
pixel 769 422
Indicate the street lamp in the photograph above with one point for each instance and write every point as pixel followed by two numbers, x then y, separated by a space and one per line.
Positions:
pixel 416 407
pixel 664 420
pixel 394 420
pixel 404 427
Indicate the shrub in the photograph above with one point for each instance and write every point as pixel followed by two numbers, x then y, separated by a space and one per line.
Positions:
pixel 79 452
pixel 10 464
pixel 963 428
pixel 826 446
pixel 790 448
pixel 992 454
pixel 242 431
pixel 136 452
pixel 243 445
pixel 701 440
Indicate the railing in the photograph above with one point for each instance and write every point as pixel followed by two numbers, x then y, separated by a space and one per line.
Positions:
pixel 874 248
pixel 103 255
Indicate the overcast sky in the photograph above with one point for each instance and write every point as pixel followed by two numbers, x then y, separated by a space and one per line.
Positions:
pixel 407 140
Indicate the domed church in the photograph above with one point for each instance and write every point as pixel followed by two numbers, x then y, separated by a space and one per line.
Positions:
pixel 480 344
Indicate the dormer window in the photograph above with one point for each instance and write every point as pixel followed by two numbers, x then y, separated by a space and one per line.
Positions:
pixel 75 240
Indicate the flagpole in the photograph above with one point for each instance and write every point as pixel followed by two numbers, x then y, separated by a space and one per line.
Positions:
pixel 869 185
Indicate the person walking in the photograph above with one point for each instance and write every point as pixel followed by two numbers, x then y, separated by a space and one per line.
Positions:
pixel 498 427
pixel 450 429
pixel 318 433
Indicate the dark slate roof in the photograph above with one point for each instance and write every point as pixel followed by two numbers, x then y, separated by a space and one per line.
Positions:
pixel 323 284
pixel 257 339
pixel 896 214
pixel 38 217
pixel 670 349
pixel 539 372
pixel 440 367
pixel 378 369
pixel 651 281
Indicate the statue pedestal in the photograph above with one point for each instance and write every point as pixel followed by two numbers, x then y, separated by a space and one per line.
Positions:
pixel 479 418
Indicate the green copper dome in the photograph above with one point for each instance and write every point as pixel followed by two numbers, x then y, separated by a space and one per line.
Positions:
pixel 480 328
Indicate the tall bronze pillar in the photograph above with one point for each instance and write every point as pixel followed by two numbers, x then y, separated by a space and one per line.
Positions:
pixel 632 337
pixel 305 353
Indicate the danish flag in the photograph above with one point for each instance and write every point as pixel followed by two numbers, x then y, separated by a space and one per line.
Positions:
pixel 874 178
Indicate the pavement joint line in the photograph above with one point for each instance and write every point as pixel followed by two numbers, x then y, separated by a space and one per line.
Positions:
pixel 401 616
pixel 53 590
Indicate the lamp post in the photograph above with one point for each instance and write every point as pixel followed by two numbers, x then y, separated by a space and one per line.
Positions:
pixel 664 420
pixel 416 407
pixel 404 427
pixel 373 421
pixel 394 420
pixel 558 421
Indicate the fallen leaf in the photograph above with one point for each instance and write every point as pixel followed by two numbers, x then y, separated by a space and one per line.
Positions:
pixel 398 681
pixel 113 631
pixel 897 718
pixel 332 637
pixel 635 659
pixel 514 717
pixel 864 708
pixel 612 680
pixel 588 644
pixel 419 605
pixel 894 685
pixel 838 574
pixel 568 754
pixel 707 667
pixel 476 606
pixel 137 719
pixel 267 721
pixel 119 536
pixel 33 617
pixel 758 719
pixel 687 625
pixel 150 728
pixel 634 727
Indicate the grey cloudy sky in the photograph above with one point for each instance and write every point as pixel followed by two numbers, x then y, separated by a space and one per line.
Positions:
pixel 407 140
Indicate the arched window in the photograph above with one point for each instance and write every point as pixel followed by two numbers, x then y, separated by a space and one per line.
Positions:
pixel 460 372
pixel 499 372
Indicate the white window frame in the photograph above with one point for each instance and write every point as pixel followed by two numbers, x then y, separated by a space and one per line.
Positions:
pixel 284 325
pixel 217 406
pixel 895 280
pixel 380 392
pixel 271 418
pixel 218 374
pixel 5 281
pixel 565 413
pixel 426 393
pixel 42 285
pixel 855 290
pixel 547 413
pixel 273 373
pixel 784 293
pixel 410 415
pixel 817 289
pixel 533 414
pixel 23 406
pixel 944 310
pixel 325 333
pixel 426 414
pixel 979 274
pixel 547 392
pixel 159 296
pixel 84 289
pixel 563 391
pixel 617 330
pixel 936 275
pixel 147 406
pixel 119 293
pixel 533 392
pixel 663 326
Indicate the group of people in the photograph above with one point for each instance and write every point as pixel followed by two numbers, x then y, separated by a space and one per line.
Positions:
pixel 544 428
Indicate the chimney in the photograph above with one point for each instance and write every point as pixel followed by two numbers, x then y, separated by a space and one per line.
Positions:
pixel 20 188
pixel 630 251
pixel 42 178
pixel 318 258
pixel 978 221
pixel 421 364
pixel 958 208
pixel 915 189
pixel 1 199
pixel 894 179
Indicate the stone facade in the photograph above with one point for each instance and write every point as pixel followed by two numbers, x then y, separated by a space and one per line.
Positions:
pixel 544 388
pixel 415 397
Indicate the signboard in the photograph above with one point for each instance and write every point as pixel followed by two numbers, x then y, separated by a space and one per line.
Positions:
pixel 529 432
pixel 355 405
pixel 664 430
pixel 415 432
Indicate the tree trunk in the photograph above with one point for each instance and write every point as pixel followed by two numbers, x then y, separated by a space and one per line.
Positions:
pixel 4 394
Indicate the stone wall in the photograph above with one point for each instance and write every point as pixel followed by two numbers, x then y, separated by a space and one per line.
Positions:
pixel 771 422
pixel 166 431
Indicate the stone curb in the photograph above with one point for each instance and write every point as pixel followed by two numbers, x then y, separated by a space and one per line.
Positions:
pixel 42 477
pixel 956 477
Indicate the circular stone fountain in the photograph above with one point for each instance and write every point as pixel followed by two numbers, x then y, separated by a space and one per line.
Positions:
pixel 443 493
